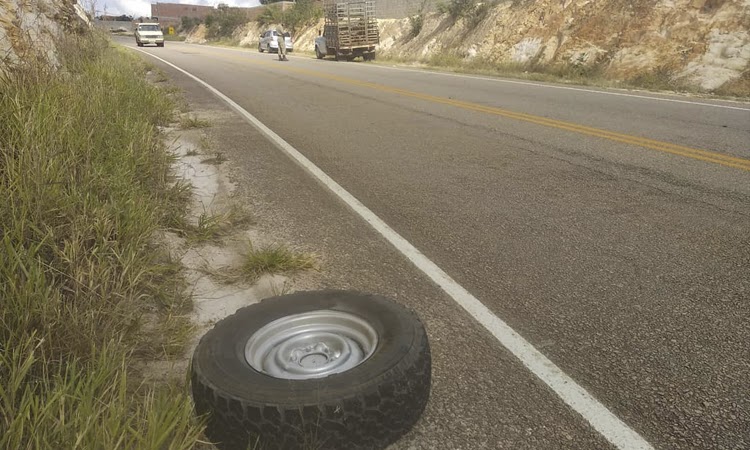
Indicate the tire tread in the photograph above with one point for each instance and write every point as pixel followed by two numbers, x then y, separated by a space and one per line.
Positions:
pixel 371 419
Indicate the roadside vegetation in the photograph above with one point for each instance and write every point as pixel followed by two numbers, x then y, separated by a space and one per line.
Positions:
pixel 223 22
pixel 188 121
pixel 212 227
pixel 88 295
pixel 272 259
pixel 470 10
pixel 416 22
pixel 573 73
pixel 303 13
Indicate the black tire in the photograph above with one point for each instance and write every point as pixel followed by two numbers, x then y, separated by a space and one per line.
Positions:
pixel 318 54
pixel 366 407
pixel 160 45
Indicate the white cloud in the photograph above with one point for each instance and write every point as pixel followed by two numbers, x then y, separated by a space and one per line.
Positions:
pixel 143 7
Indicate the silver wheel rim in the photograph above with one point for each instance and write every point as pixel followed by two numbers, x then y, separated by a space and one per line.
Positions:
pixel 311 345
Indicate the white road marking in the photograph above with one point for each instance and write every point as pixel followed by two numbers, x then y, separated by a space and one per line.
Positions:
pixel 529 83
pixel 575 396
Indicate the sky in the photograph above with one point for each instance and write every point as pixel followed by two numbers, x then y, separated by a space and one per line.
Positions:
pixel 143 7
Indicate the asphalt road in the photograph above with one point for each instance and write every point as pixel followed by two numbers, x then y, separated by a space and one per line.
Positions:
pixel 610 229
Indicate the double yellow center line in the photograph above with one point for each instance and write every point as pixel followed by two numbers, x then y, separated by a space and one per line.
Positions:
pixel 666 147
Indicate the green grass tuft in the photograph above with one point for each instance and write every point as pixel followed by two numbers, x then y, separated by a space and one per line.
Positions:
pixel 274 259
pixel 190 121
pixel 212 227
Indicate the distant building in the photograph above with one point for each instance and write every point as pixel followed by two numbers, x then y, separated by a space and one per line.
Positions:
pixel 172 13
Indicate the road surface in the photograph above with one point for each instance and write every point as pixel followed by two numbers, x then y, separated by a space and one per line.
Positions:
pixel 610 230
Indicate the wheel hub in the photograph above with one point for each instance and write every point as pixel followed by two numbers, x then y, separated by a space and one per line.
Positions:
pixel 311 345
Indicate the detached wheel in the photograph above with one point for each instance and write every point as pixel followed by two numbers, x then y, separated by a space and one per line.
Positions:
pixel 326 369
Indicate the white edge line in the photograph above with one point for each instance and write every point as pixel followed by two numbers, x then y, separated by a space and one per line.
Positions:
pixel 604 421
pixel 528 83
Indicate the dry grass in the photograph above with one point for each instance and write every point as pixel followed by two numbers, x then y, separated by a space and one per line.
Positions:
pixel 739 88
pixel 276 259
pixel 79 269
pixel 212 227
pixel 188 121
pixel 658 79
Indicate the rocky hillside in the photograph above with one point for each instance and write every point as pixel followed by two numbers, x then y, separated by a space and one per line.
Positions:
pixel 707 42
pixel 704 43
pixel 29 29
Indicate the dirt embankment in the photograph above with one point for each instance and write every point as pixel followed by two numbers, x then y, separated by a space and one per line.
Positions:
pixel 705 43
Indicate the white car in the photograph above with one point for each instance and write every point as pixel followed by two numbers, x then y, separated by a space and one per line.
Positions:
pixel 149 33
pixel 268 42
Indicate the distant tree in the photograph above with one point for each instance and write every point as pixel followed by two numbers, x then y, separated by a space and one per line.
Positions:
pixel 90 6
pixel 188 23
pixel 271 15
pixel 224 21
pixel 302 13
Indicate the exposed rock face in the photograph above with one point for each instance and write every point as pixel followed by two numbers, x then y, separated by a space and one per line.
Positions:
pixel 197 36
pixel 706 42
pixel 30 29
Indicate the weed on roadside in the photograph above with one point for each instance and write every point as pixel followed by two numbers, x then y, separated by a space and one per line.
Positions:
pixel 190 121
pixel 274 259
pixel 161 77
pixel 204 143
pixel 658 79
pixel 737 88
pixel 212 227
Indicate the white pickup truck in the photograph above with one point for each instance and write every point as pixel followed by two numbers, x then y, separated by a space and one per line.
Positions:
pixel 149 33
